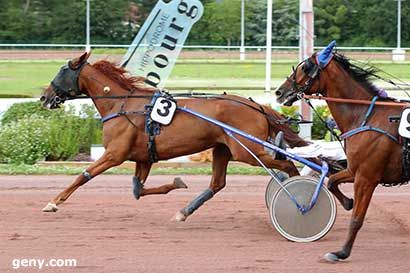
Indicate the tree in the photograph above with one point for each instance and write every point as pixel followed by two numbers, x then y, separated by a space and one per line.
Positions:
pixel 330 20
pixel 223 21
pixel 284 23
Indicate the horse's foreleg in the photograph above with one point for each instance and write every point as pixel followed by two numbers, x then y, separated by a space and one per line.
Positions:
pixel 344 176
pixel 363 192
pixel 141 173
pixel 220 158
pixel 105 162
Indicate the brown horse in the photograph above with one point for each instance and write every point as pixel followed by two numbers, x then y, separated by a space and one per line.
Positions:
pixel 373 152
pixel 122 99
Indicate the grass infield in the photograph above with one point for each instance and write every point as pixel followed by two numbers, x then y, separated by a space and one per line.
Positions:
pixel 28 78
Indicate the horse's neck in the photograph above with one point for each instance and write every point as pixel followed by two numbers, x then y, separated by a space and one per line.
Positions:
pixel 347 116
pixel 98 85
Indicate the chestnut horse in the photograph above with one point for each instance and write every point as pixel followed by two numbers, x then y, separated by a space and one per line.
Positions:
pixel 121 101
pixel 371 141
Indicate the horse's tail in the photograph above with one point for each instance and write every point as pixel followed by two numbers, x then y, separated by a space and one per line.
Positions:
pixel 293 139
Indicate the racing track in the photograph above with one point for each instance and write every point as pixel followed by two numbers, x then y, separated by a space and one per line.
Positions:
pixel 106 230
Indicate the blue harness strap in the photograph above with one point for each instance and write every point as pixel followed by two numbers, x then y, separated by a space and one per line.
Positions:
pixel 363 127
pixel 369 111
pixel 369 128
pixel 111 116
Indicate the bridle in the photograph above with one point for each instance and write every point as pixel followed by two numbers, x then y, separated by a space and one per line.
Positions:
pixel 66 84
pixel 312 70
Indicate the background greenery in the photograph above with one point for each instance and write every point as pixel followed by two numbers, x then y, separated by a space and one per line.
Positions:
pixel 351 23
pixel 30 133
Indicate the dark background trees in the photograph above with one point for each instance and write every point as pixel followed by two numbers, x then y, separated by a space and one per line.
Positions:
pixel 350 22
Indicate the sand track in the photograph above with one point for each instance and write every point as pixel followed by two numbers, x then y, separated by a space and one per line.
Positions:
pixel 106 230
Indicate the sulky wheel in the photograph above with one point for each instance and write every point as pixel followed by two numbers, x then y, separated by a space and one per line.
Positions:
pixel 290 222
pixel 273 186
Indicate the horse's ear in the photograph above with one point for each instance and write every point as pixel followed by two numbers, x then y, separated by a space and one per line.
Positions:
pixel 77 62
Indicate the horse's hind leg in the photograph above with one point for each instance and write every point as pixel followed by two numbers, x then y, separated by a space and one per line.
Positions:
pixel 344 176
pixel 106 161
pixel 141 173
pixel 220 158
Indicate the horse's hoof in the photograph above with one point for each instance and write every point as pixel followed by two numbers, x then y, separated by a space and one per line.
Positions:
pixel 179 184
pixel 180 217
pixel 50 208
pixel 331 257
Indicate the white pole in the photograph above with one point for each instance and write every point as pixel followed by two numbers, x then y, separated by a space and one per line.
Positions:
pixel 87 31
pixel 242 48
pixel 306 32
pixel 398 24
pixel 268 48
pixel 398 53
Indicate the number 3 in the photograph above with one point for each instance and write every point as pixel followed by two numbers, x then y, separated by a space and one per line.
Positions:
pixel 164 110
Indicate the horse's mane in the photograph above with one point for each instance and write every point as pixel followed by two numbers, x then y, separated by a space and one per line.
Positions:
pixel 119 76
pixel 361 74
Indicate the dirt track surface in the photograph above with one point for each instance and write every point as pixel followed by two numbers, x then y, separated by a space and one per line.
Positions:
pixel 106 230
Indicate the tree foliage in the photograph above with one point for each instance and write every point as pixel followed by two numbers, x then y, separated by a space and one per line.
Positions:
pixel 351 23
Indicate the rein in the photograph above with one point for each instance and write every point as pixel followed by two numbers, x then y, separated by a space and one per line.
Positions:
pixel 183 95
pixel 179 95
pixel 363 126
pixel 354 101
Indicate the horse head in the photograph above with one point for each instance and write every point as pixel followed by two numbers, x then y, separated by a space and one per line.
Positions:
pixel 305 78
pixel 66 84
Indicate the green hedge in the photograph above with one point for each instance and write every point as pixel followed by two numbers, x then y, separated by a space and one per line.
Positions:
pixel 30 133
pixel 319 129
pixel 24 141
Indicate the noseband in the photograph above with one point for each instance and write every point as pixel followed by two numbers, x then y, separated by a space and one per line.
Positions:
pixel 66 83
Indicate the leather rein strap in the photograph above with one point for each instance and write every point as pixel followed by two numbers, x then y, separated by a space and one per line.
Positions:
pixel 363 126
pixel 353 101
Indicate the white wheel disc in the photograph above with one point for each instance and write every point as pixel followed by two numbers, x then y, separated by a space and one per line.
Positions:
pixel 290 222
pixel 272 187
pixel 270 190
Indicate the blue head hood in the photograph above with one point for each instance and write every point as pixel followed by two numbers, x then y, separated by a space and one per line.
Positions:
pixel 324 56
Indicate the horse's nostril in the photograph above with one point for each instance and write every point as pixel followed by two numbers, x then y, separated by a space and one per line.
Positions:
pixel 278 93
pixel 42 98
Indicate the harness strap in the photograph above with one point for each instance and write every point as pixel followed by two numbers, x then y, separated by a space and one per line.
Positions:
pixel 363 127
pixel 152 128
pixel 110 116
pixel 369 128
pixel 369 111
